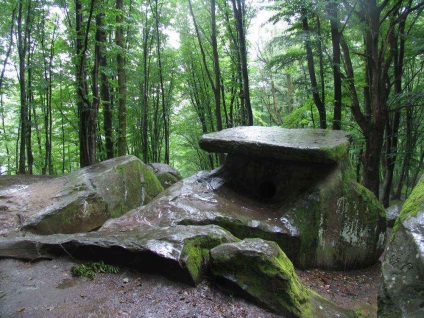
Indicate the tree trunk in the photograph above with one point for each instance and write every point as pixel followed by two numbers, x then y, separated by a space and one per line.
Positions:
pixel 217 71
pixel 122 89
pixel 30 104
pixel 311 68
pixel 22 43
pixel 87 115
pixel 9 49
pixel 397 46
pixel 96 67
pixel 104 88
pixel 239 15
pixel 145 92
pixel 164 108
pixel 335 40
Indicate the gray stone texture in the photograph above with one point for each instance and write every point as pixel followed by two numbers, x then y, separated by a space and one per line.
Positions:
pixel 401 291
pixel 90 196
pixel 166 174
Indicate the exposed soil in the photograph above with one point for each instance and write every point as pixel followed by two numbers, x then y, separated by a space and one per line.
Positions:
pixel 47 289
pixel 356 289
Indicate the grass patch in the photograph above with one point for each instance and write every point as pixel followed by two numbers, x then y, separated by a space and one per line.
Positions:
pixel 90 269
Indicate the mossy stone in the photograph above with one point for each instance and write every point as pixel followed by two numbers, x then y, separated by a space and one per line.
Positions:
pixel 401 290
pixel 262 271
pixel 95 194
pixel 413 205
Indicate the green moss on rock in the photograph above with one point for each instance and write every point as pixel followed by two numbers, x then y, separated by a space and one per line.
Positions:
pixel 337 152
pixel 413 204
pixel 151 183
pixel 261 270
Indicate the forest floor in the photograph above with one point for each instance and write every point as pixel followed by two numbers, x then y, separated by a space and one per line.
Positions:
pixel 47 288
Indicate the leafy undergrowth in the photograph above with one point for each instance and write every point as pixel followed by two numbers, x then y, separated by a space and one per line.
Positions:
pixel 90 269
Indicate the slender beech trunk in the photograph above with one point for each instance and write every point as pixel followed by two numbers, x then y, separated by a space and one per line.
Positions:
pixel 104 87
pixel 239 15
pixel 22 44
pixel 122 87
pixel 335 41
pixel 216 86
pixel 311 68
pixel 87 115
pixel 9 49
pixel 145 91
pixel 164 108
pixel 214 82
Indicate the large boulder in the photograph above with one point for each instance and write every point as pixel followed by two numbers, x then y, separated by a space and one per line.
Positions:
pixel 261 271
pixel 401 291
pixel 179 252
pixel 83 200
pixel 166 174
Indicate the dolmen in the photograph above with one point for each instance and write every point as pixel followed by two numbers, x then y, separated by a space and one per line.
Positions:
pixel 294 187
pixel 282 198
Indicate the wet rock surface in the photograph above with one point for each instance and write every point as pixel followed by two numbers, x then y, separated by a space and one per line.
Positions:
pixel 316 212
pixel 166 174
pixel 20 196
pixel 401 291
pixel 80 201
pixel 262 272
pixel 305 200
pixel 258 269
pixel 180 252
pixel 392 213
pixel 204 199
pixel 306 145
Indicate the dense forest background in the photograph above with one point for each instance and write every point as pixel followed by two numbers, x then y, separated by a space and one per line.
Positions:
pixel 86 80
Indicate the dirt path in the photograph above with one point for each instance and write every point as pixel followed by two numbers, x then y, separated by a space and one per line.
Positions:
pixel 47 289
pixel 356 290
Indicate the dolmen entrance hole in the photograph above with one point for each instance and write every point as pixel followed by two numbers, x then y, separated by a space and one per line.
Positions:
pixel 267 190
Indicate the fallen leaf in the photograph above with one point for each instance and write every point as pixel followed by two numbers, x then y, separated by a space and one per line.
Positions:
pixel 21 309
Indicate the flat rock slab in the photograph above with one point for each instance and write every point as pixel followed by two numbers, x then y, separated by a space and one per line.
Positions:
pixel 204 199
pixel 179 252
pixel 305 145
